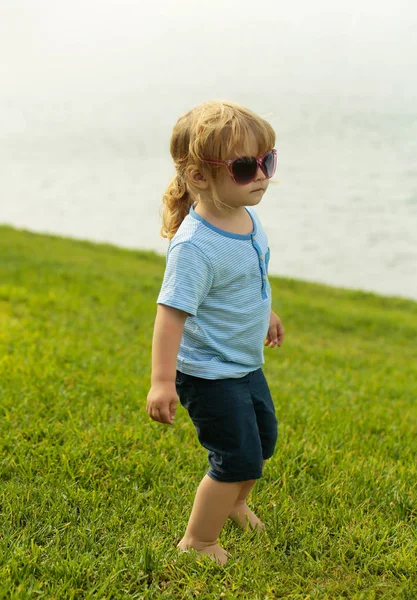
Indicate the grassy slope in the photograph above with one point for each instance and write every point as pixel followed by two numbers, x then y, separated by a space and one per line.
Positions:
pixel 94 495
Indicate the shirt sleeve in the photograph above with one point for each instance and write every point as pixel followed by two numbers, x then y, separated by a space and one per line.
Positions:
pixel 188 278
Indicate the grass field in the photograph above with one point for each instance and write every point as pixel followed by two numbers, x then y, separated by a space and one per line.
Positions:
pixel 94 495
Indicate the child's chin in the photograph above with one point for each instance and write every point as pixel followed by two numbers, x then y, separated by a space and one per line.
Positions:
pixel 255 198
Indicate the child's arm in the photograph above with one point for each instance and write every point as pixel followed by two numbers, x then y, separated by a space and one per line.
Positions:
pixel 162 398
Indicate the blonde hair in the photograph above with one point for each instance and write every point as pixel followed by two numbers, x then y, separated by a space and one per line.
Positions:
pixel 213 130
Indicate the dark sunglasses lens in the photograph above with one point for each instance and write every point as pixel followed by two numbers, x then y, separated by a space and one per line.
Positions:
pixel 268 164
pixel 244 169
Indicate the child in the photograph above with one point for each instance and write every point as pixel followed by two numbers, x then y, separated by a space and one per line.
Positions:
pixel 214 310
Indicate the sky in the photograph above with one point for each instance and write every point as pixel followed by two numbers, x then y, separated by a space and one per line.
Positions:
pixel 91 61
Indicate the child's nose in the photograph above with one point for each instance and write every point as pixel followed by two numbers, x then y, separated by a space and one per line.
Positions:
pixel 260 174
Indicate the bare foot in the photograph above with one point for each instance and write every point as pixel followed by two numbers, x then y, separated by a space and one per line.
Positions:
pixel 243 516
pixel 214 551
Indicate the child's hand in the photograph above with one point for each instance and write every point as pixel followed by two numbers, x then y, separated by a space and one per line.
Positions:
pixel 275 335
pixel 162 402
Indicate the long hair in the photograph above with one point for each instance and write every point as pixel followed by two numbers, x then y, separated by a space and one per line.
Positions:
pixel 214 130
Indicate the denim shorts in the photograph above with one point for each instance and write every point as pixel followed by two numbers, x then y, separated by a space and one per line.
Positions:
pixel 235 421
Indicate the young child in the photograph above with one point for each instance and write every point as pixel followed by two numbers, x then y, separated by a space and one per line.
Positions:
pixel 214 310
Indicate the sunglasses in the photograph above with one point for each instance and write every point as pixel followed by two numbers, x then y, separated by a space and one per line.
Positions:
pixel 243 170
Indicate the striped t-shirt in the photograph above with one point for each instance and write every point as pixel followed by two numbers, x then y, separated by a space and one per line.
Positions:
pixel 221 280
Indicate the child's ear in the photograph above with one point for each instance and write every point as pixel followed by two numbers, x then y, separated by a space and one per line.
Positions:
pixel 196 178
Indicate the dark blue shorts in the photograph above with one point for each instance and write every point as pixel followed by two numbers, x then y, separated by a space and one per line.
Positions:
pixel 235 421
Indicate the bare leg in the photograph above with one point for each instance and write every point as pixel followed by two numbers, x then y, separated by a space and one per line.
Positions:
pixel 212 505
pixel 241 513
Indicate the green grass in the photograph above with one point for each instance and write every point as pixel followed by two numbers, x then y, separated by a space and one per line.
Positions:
pixel 94 495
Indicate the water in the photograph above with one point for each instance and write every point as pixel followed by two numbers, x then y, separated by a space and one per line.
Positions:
pixel 344 211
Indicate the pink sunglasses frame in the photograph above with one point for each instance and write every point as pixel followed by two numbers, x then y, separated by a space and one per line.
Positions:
pixel 259 159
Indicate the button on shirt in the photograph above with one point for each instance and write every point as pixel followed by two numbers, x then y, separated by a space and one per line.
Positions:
pixel 220 279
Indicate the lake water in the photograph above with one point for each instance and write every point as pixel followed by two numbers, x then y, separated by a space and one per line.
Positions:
pixel 344 211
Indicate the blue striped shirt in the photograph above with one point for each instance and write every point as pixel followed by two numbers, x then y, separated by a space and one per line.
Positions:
pixel 221 280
